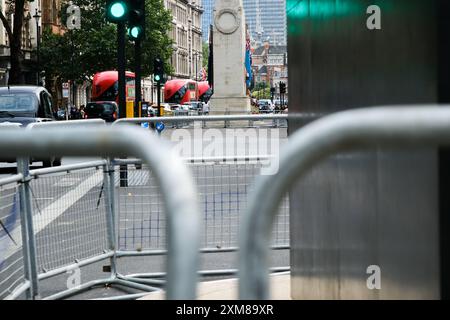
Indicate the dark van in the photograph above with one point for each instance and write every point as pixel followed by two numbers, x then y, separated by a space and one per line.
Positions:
pixel 106 110
pixel 23 105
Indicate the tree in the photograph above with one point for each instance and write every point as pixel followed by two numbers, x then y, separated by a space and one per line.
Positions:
pixel 261 93
pixel 14 33
pixel 93 48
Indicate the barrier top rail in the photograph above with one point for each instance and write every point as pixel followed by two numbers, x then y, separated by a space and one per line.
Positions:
pixel 66 168
pixel 11 179
pixel 183 218
pixel 68 123
pixel 201 159
pixel 205 118
pixel 424 125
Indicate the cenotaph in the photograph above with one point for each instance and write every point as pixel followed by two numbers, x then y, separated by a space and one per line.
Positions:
pixel 229 59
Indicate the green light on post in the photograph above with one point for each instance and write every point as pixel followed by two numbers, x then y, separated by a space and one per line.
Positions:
pixel 118 10
pixel 157 77
pixel 135 32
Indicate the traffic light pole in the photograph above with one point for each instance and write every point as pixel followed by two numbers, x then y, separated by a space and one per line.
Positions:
pixel 158 97
pixel 122 100
pixel 137 71
pixel 121 68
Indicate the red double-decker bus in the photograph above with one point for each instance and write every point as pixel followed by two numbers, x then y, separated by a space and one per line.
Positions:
pixel 204 91
pixel 105 86
pixel 181 91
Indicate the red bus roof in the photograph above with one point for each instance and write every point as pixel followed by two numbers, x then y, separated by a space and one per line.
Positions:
pixel 104 80
pixel 203 87
pixel 172 86
pixel 110 76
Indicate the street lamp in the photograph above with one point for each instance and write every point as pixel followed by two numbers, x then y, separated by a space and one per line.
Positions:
pixel 196 63
pixel 38 41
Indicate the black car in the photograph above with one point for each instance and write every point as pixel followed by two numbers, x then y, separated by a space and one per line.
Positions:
pixel 23 105
pixel 106 110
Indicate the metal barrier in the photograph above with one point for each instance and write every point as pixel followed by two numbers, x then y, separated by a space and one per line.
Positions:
pixel 183 220
pixel 223 187
pixel 65 124
pixel 74 211
pixel 13 275
pixel 71 218
pixel 343 131
pixel 277 120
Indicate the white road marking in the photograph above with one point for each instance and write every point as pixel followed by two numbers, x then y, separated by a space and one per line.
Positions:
pixel 49 214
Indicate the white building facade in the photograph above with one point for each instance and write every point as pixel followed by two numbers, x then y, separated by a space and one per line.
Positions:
pixel 186 34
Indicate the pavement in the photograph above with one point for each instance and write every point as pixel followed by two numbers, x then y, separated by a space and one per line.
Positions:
pixel 227 289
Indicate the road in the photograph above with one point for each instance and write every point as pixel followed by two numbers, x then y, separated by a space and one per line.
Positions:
pixel 70 224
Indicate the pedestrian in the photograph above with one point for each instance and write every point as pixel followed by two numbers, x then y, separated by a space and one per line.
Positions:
pixel 82 112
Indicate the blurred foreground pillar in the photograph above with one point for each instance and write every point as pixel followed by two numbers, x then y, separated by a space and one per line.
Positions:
pixel 384 208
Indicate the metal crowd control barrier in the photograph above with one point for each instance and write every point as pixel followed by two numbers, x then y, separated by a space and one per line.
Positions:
pixel 183 219
pixel 223 184
pixel 407 126
pixel 65 124
pixel 276 119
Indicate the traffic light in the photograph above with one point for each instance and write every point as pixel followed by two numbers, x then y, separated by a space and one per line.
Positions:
pixel 158 70
pixel 282 87
pixel 117 10
pixel 136 19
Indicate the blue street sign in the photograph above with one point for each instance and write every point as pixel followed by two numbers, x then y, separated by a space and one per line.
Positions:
pixel 144 125
pixel 160 126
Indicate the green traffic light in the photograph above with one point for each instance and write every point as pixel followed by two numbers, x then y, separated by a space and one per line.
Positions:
pixel 118 10
pixel 157 77
pixel 135 32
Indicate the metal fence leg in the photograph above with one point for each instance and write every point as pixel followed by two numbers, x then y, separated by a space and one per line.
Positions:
pixel 123 179
pixel 108 180
pixel 275 123
pixel 28 239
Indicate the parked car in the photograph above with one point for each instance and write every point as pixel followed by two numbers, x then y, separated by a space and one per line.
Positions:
pixel 106 110
pixel 265 106
pixel 25 105
pixel 22 106
pixel 197 107
pixel 184 107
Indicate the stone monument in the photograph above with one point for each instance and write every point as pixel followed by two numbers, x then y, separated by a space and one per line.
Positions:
pixel 229 39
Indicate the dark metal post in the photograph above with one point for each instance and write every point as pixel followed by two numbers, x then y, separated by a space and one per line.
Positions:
pixel 38 43
pixel 122 102
pixel 121 68
pixel 72 63
pixel 158 97
pixel 137 71
pixel 196 62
